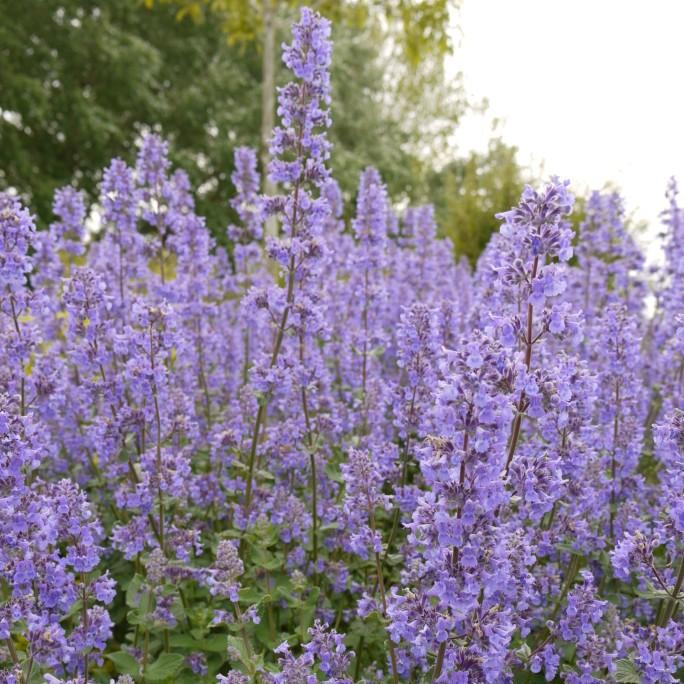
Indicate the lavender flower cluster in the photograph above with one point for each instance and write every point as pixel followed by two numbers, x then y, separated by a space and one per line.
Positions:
pixel 336 455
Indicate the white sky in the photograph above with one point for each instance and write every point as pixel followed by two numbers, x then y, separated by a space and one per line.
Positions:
pixel 590 90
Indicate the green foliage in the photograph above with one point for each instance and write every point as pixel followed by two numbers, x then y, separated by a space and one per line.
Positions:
pixel 124 662
pixel 420 28
pixel 165 667
pixel 627 672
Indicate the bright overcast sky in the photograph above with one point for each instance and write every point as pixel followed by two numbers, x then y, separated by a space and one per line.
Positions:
pixel 590 89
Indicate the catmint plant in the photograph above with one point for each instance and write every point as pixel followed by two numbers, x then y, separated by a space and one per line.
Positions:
pixel 338 454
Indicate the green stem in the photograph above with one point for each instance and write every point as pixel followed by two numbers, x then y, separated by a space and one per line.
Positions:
pixel 312 461
pixel 672 602
pixel 359 651
pixel 439 662
pixel 529 342
pixel 280 334
pixel 157 420
pixel 364 363
pixel 84 600
pixel 245 638
pixel 613 465
pixel 15 658
pixel 396 515
pixel 573 569
pixel 381 584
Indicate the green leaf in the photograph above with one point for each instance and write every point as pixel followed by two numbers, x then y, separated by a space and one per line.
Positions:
pixel 263 633
pixel 654 594
pixel 238 645
pixel 266 560
pixel 394 559
pixel 251 595
pixel 214 643
pixel 75 609
pixel 133 591
pixel 626 672
pixel 265 475
pixel 523 677
pixel 524 652
pixel 333 472
pixel 329 526
pixel 285 592
pixel 184 641
pixel 139 617
pixel 165 667
pixel 125 663
pixel 377 351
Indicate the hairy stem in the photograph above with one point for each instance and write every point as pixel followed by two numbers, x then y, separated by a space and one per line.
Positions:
pixel 157 421
pixel 383 597
pixel 280 334
pixel 439 662
pixel 529 342
pixel 669 610
pixel 312 461
pixel 613 465
pixel 84 608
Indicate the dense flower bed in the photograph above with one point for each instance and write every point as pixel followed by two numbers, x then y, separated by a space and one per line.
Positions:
pixel 336 456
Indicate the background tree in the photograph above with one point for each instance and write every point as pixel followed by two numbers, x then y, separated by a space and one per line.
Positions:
pixel 415 36
pixel 468 192
pixel 417 30
pixel 80 80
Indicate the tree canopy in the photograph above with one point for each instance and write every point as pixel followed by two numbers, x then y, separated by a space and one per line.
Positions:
pixel 468 192
pixel 80 80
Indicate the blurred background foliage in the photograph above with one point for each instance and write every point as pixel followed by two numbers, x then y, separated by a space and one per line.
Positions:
pixel 81 79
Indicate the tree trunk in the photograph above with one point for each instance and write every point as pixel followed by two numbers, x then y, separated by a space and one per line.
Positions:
pixel 268 101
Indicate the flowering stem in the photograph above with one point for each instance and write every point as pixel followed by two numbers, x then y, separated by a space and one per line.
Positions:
pixel 245 366
pixel 312 460
pixel 245 637
pixel 29 670
pixel 404 474
pixel 381 584
pixel 84 607
pixel 529 342
pixel 547 632
pixel 364 362
pixel 573 569
pixel 22 382
pixel 668 612
pixel 289 300
pixel 146 651
pixel 359 651
pixel 202 374
pixel 15 658
pixel 314 515
pixel 157 420
pixel 121 274
pixel 616 427
pixel 439 662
